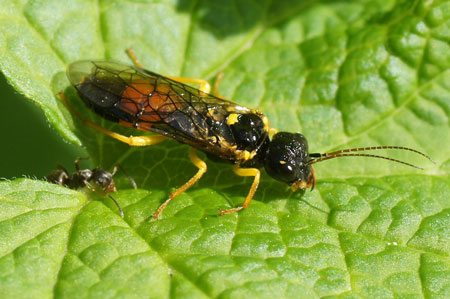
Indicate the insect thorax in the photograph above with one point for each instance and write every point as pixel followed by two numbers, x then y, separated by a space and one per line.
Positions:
pixel 246 136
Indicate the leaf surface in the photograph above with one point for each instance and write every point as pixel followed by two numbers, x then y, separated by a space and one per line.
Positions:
pixel 344 74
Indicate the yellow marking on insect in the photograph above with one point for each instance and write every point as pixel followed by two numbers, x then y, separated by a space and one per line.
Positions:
pixel 272 132
pixel 266 123
pixel 299 185
pixel 245 155
pixel 232 119
pixel 225 144
pixel 282 162
pixel 211 112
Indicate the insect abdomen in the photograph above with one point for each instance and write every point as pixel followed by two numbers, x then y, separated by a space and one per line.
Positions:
pixel 148 103
pixel 100 89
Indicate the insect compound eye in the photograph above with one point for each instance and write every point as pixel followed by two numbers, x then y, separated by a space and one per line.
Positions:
pixel 287 156
pixel 280 165
pixel 280 169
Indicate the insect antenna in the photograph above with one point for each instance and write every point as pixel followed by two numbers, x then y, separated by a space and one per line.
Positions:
pixel 347 153
pixel 107 194
pixel 117 204
pixel 127 175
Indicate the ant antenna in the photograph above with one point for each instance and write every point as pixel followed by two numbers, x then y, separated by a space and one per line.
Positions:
pixel 344 153
pixel 117 204
pixel 107 194
pixel 127 175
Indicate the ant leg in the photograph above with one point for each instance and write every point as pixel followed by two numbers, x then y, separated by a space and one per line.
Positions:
pixel 62 168
pixel 201 165
pixel 92 188
pixel 114 171
pixel 77 161
pixel 204 85
pixel 254 172
pixel 59 176
pixel 130 140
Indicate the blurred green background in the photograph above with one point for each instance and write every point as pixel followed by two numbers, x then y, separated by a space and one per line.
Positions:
pixel 30 146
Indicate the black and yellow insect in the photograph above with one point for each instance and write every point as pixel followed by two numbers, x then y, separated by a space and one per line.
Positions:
pixel 138 98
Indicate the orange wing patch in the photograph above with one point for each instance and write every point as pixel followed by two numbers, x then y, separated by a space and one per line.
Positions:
pixel 148 103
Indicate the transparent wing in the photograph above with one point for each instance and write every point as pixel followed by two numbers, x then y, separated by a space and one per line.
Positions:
pixel 144 100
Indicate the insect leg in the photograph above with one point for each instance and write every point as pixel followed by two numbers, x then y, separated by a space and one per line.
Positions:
pixel 134 58
pixel 204 85
pixel 216 85
pixel 58 176
pixel 254 172
pixel 114 171
pixel 92 188
pixel 77 162
pixel 201 165
pixel 62 168
pixel 130 140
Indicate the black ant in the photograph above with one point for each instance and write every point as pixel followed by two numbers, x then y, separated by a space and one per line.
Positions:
pixel 82 178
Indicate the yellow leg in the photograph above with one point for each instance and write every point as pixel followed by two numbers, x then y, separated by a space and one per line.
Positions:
pixel 216 85
pixel 254 172
pixel 201 165
pixel 130 140
pixel 134 58
pixel 204 85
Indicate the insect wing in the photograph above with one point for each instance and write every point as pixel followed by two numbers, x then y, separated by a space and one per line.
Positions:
pixel 147 101
pixel 101 84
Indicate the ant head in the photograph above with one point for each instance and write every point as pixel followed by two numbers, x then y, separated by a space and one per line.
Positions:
pixel 287 160
pixel 104 179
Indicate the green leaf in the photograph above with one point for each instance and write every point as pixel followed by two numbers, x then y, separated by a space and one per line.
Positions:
pixel 54 242
pixel 344 73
